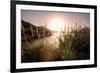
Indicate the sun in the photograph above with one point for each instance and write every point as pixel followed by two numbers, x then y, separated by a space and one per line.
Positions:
pixel 56 24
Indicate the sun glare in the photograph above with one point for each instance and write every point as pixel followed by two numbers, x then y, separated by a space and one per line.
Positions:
pixel 56 24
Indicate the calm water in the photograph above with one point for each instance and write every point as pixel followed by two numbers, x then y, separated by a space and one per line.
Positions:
pixel 50 42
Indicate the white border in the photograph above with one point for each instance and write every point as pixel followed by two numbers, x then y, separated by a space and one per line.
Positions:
pixel 20 65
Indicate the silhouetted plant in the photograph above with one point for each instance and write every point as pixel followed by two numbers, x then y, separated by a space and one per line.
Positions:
pixel 75 44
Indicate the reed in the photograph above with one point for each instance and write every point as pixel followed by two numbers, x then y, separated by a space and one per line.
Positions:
pixel 75 44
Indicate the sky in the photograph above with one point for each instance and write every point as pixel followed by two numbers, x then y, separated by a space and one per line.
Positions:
pixel 54 20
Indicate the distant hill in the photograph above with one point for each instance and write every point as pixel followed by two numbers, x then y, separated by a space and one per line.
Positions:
pixel 31 32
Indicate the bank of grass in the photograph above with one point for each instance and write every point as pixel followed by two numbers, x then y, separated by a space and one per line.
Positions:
pixel 31 54
pixel 75 44
pixel 30 51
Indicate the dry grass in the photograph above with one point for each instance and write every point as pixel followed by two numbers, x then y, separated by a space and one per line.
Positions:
pixel 75 44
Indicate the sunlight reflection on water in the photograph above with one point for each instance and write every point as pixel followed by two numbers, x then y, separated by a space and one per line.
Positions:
pixel 51 42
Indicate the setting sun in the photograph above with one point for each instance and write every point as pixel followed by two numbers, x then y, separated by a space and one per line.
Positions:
pixel 56 24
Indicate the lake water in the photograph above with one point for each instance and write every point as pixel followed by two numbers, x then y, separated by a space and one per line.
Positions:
pixel 50 42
